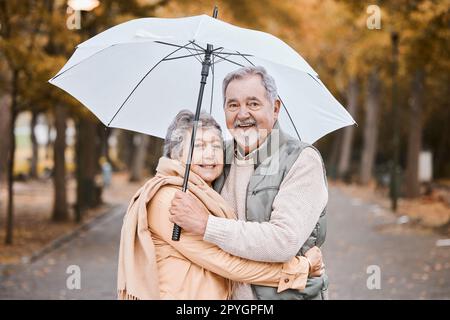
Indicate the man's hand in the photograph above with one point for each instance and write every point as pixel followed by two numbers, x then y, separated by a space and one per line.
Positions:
pixel 316 266
pixel 188 213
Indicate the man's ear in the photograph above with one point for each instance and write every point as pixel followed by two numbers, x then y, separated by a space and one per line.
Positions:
pixel 276 109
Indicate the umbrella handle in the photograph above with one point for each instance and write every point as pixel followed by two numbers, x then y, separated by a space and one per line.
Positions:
pixel 176 232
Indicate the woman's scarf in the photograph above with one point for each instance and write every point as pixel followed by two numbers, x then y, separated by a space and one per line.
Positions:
pixel 137 270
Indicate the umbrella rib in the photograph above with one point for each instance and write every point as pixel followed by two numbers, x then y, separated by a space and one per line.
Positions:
pixel 161 42
pixel 143 78
pixel 243 56
pixel 178 46
pixel 221 59
pixel 181 57
pixel 197 58
pixel 212 85
pixel 82 61
pixel 314 79
pixel 200 48
pixel 227 54
pixel 230 61
pixel 185 47
pixel 282 103
pixel 237 54
pixel 295 128
pixel 221 49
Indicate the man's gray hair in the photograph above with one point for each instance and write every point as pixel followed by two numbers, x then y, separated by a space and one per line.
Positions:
pixel 180 129
pixel 267 80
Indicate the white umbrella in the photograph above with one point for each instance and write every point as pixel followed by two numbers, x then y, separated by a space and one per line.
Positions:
pixel 139 74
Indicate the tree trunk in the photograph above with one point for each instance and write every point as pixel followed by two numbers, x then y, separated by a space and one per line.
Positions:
pixel 87 193
pixel 372 105
pixel 154 152
pixel 34 146
pixel 126 148
pixel 105 135
pixel 10 214
pixel 347 139
pixel 11 154
pixel 60 209
pixel 5 123
pixel 49 145
pixel 137 169
pixel 334 155
pixel 102 144
pixel 412 187
pixel 442 153
pixel 80 202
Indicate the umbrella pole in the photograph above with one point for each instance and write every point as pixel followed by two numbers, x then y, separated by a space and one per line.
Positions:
pixel 206 64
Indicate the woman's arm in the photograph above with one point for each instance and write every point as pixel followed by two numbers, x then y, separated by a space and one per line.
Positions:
pixel 289 275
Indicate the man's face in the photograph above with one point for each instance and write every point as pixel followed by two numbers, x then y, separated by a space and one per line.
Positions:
pixel 249 113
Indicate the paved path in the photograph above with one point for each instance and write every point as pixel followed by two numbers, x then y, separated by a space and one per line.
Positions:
pixel 359 235
pixel 94 251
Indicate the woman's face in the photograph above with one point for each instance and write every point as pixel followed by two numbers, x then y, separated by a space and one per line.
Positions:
pixel 207 158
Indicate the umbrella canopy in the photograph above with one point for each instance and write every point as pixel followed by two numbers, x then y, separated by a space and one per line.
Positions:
pixel 139 74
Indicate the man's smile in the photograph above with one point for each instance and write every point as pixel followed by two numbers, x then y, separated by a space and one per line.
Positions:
pixel 245 126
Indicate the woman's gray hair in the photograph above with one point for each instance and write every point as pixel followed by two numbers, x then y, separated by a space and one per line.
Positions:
pixel 181 127
pixel 267 80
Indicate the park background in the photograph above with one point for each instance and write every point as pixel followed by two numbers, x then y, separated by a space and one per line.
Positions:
pixel 65 179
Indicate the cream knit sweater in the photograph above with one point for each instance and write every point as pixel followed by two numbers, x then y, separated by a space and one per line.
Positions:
pixel 295 211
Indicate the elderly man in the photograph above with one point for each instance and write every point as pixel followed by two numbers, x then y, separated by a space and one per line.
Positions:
pixel 275 183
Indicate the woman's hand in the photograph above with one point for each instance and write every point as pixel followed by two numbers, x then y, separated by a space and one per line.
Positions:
pixel 186 212
pixel 316 265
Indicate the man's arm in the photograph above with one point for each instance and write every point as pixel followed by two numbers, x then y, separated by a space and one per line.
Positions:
pixel 289 275
pixel 296 209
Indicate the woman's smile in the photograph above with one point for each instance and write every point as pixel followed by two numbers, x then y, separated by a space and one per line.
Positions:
pixel 209 167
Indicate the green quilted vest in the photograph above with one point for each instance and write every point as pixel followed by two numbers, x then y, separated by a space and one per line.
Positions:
pixel 274 160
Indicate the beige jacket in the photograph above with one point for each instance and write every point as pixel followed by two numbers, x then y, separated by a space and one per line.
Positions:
pixel 190 268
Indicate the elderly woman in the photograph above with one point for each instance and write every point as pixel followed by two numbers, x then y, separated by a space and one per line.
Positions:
pixel 152 266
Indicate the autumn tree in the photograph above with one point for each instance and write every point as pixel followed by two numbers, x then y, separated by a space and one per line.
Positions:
pixel 19 44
